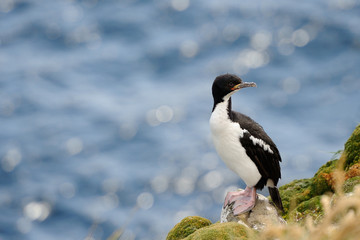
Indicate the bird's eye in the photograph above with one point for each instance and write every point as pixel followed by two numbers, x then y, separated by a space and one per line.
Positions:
pixel 231 84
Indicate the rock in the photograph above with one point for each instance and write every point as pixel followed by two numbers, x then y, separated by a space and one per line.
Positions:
pixel 262 214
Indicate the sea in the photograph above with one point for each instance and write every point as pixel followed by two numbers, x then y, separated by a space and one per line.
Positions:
pixel 105 106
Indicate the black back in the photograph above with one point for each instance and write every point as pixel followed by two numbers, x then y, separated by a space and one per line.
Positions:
pixel 267 163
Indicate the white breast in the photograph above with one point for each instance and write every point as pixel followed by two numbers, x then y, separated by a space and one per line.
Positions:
pixel 226 137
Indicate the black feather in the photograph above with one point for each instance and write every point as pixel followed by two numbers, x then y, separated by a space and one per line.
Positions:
pixel 267 163
pixel 275 197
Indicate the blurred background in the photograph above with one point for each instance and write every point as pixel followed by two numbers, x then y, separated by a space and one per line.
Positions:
pixel 104 105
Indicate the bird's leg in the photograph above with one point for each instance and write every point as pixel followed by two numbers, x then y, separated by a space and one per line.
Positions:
pixel 232 196
pixel 246 202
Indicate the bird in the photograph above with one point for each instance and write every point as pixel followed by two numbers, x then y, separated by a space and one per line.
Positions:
pixel 244 146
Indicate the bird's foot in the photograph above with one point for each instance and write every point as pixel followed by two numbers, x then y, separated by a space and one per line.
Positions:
pixel 232 196
pixel 243 205
pixel 243 201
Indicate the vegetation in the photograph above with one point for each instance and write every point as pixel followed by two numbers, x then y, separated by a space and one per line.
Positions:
pixel 187 226
pixel 230 230
pixel 326 206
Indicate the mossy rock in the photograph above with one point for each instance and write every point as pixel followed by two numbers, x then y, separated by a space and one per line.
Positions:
pixel 223 231
pixel 301 197
pixel 350 184
pixel 352 149
pixel 294 193
pixel 323 181
pixel 353 171
pixel 186 227
pixel 309 208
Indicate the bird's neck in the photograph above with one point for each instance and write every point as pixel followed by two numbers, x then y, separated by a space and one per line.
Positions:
pixel 223 105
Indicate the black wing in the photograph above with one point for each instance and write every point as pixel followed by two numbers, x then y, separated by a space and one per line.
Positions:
pixel 266 160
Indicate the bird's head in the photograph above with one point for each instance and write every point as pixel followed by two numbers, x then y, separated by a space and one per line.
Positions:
pixel 225 85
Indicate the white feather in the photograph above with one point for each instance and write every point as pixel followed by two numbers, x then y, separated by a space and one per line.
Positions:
pixel 261 143
pixel 226 137
pixel 270 183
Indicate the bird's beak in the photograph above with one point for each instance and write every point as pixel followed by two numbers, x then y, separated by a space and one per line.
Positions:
pixel 244 85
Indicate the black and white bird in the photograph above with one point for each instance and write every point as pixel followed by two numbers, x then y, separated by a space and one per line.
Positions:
pixel 244 146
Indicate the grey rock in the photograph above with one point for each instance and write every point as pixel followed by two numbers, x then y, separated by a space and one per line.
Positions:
pixel 264 213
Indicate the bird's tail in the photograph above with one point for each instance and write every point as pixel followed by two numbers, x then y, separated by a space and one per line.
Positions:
pixel 275 197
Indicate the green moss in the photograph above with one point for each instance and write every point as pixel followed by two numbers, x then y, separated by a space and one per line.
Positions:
pixel 294 193
pixel 301 198
pixel 223 231
pixel 351 183
pixel 186 227
pixel 198 228
pixel 322 180
pixel 352 148
pixel 299 195
pixel 311 207
pixel 327 167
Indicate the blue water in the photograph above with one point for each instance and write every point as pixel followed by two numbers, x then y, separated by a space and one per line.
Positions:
pixel 104 105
